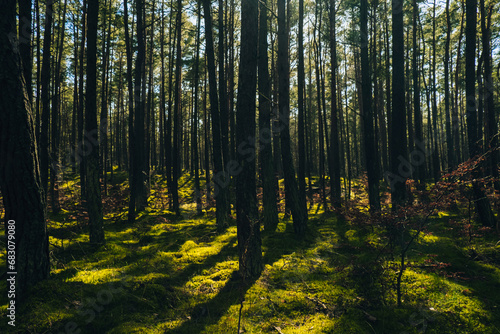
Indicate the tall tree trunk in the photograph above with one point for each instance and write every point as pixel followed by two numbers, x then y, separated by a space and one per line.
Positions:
pixel 482 203
pixel 56 112
pixel 301 121
pixel 130 85
pixel 270 215
pixel 220 177
pixel 138 192
pixel 177 110
pixel 93 190
pixel 163 118
pixel 398 138
pixel 368 116
pixel 418 156
pixel 455 119
pixel 150 119
pixel 334 161
pixel 206 130
pixel 172 37
pixel 45 81
pixel 320 116
pixel 20 183
pixel 449 138
pixel 25 48
pixel 38 71
pixel 103 126
pixel 223 103
pixel 194 138
pixel 81 106
pixel 491 128
pixel 249 241
pixel 230 74
pixel 291 190
pixel 75 94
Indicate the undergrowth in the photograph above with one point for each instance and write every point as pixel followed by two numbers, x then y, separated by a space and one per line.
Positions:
pixel 175 274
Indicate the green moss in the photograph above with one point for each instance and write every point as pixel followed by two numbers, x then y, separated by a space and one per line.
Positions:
pixel 177 275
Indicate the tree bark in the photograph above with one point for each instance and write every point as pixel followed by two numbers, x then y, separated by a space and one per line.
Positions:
pixel 20 181
pixel 291 190
pixel 301 116
pixel 398 138
pixel 418 154
pixel 220 177
pixel 194 138
pixel 248 224
pixel 56 118
pixel 45 82
pixel 270 214
pixel 177 111
pixel 449 138
pixel 368 116
pixel 93 190
pixel 482 203
pixel 334 153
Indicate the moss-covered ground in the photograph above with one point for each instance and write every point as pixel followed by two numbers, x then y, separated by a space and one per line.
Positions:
pixel 168 274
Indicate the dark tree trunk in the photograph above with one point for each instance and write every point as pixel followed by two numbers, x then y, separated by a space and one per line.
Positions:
pixel 435 151
pixel 177 111
pixel 482 203
pixel 223 104
pixel 130 86
pixel 334 152
pixel 301 121
pixel 20 183
pixel 75 96
pixel 455 121
pixel 230 74
pixel 93 190
pixel 397 145
pixel 368 116
pixel 25 48
pixel 138 196
pixel 249 241
pixel 163 118
pixel 265 135
pixel 206 129
pixel 194 138
pixel 81 106
pixel 491 128
pixel 45 81
pixel 320 118
pixel 449 138
pixel 291 190
pixel 103 126
pixel 56 118
pixel 150 113
pixel 418 157
pixel 220 177
pixel 172 36
pixel 38 71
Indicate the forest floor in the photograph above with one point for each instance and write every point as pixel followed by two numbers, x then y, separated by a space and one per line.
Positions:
pixel 168 274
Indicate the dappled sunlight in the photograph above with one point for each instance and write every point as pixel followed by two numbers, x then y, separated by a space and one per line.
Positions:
pixel 176 274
